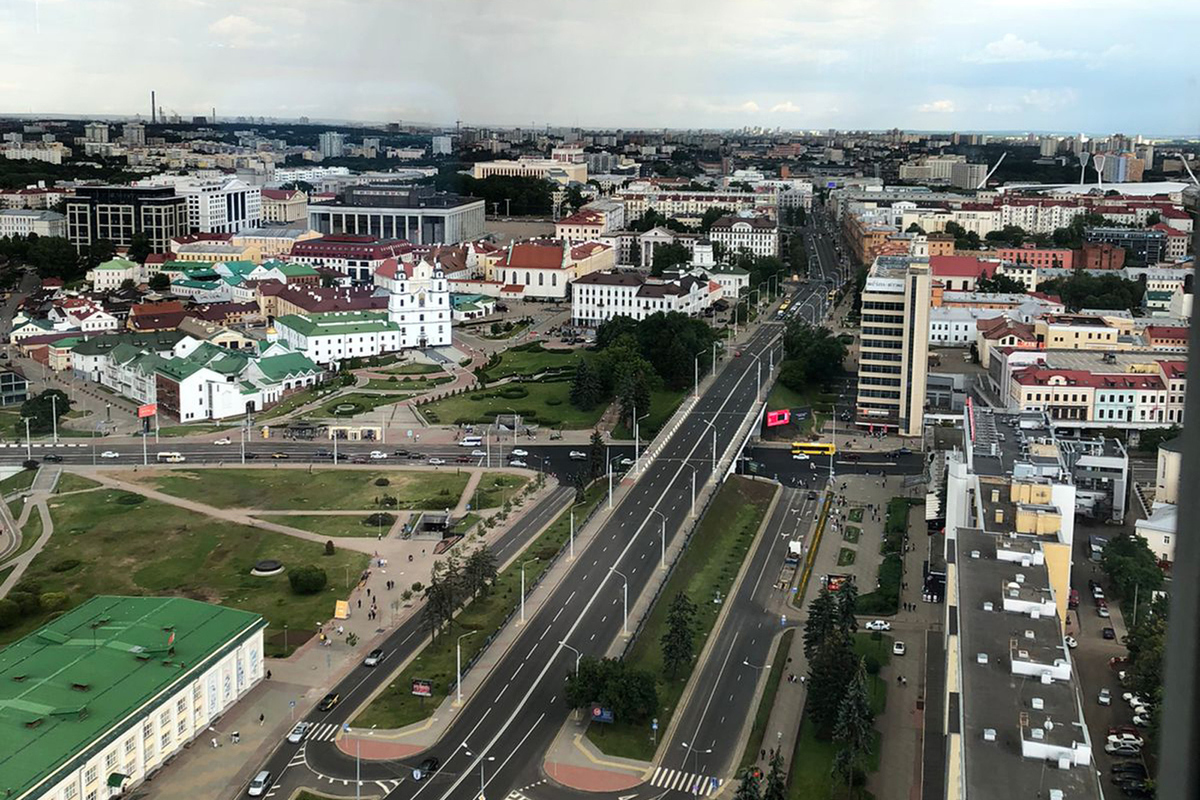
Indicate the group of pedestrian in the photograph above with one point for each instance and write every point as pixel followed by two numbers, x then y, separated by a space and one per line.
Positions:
pixel 794 678
pixel 910 606
pixel 901 680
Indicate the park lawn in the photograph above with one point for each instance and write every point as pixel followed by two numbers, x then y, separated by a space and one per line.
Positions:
pixel 546 403
pixel 331 525
pixel 300 489
pixel 414 385
pixel 293 401
pixel 846 557
pixel 412 369
pixel 778 667
pixel 396 706
pixel 663 403
pixel 70 482
pixel 851 533
pixel 18 482
pixel 102 546
pixel 783 397
pixel 708 565
pixel 196 430
pixel 365 403
pixel 465 524
pixel 531 360
pixel 496 487
pixel 30 533
pixel 9 422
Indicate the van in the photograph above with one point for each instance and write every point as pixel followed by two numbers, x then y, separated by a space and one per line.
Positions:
pixel 260 784
pixel 470 441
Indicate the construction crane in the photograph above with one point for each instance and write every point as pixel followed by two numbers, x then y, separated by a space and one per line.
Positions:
pixel 983 182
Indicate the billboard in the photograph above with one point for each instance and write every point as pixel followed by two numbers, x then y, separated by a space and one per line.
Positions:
pixel 776 418
pixel 601 714
pixel 422 688
pixel 147 410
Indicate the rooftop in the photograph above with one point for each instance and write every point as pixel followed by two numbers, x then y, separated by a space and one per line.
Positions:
pixel 91 671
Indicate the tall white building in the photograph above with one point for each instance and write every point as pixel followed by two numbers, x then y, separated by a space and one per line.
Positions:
pixel 332 144
pixel 221 206
pixel 442 145
pixel 418 300
pixel 600 296
pixel 133 133
pixel 96 132
pixel 753 234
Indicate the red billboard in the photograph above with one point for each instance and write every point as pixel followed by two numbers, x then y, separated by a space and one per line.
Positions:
pixel 776 418
pixel 147 410
pixel 422 688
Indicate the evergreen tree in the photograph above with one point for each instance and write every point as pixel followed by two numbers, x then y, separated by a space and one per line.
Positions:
pixel 854 725
pixel 596 458
pixel 479 571
pixel 748 789
pixel 585 387
pixel 139 248
pixel 678 641
pixel 776 783
pixel 829 671
pixel 821 622
pixel 847 597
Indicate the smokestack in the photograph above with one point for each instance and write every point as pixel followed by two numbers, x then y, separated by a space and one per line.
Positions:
pixel 153 118
pixel 214 115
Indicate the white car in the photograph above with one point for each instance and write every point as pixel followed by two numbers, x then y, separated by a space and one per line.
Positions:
pixel 378 454
pixel 1133 699
pixel 1071 642
pixel 223 440
pixel 799 456
pixel 298 732
pixel 1126 738
pixel 1112 748
pixel 519 453
pixel 626 462
pixel 1141 720
pixel 437 461
pixel 898 649
pixel 479 454
pixel 1104 698
pixel 516 462
pixel 110 454
pixel 577 455
pixel 1103 612
pixel 878 625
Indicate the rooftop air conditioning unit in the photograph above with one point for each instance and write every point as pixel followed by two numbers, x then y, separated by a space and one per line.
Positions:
pixel 1038 733
pixel 1023 654
pixel 981 658
pixel 989 734
pixel 1037 703
pixel 1046 678
pixel 1020 577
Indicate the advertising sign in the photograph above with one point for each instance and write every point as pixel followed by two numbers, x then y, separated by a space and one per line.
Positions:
pixel 776 418
pixel 422 688
pixel 147 410
pixel 601 714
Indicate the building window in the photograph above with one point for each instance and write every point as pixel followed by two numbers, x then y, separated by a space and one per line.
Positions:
pixel 89 775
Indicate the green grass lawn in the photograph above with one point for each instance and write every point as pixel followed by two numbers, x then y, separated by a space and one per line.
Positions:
pixel 70 482
pixel 851 533
pixel 331 525
pixel 407 385
pixel 18 482
pixel 783 397
pixel 846 557
pixel 531 359
pixel 196 430
pixel 545 403
pixel 778 667
pixel 293 401
pixel 15 506
pixel 855 515
pixel 709 565
pixel 496 487
pixel 396 707
pixel 323 490
pixel 363 404
pixel 663 403
pixel 465 524
pixel 103 546
pixel 30 533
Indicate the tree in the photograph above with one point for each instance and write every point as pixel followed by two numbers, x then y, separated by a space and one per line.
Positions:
pixel 139 248
pixel 575 199
pixel 847 597
pixel 479 571
pixel 329 550
pixel 586 389
pixel 54 257
pixel 668 256
pixel 1011 235
pixel 999 282
pixel 1082 290
pixel 1149 441
pixel 963 239
pixel 915 228
pixel 775 786
pixel 307 579
pixel 41 410
pixel 596 456
pixel 678 640
pixel 443 595
pixel 711 216
pixel 630 694
pixel 1131 565
pixel 99 251
pixel 829 670
pixel 821 622
pixel 633 392
pixel 853 730
pixel 812 355
pixel 748 789
pixel 160 282
pixel 1153 218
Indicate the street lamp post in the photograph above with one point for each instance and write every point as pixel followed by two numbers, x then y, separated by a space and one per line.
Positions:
pixel 482 758
pixel 458 663
pixel 28 444
pixel 710 424
pixel 611 461
pixel 691 750
pixel 662 563
pixel 578 655
pixel 625 615
pixel 54 417
pixel 523 563
pixel 637 462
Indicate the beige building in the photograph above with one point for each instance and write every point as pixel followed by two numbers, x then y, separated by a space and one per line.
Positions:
pixel 894 346
pixel 284 205
pixel 1170 463
pixel 274 242
pixel 563 172
pixel 545 268
pixel 218 251
pixel 1083 332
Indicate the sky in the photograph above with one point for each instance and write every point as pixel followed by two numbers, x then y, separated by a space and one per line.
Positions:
pixel 1047 65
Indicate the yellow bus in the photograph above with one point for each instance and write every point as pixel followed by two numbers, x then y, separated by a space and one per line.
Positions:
pixel 814 448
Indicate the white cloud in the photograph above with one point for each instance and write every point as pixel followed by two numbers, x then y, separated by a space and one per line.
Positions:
pixel 237 31
pixel 1049 99
pixel 937 107
pixel 1010 49
pixel 786 107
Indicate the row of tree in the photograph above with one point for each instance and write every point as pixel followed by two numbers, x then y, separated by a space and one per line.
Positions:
pixel 812 356
pixel 453 582
pixel 1083 290
pixel 55 257
pixel 631 694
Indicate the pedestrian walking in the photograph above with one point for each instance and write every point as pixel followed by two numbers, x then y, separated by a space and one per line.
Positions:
pixel 268 674
pixel 215 743
pixel 261 719
pixel 360 602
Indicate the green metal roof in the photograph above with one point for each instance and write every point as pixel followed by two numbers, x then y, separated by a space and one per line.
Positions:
pixel 152 340
pixel 279 367
pixel 292 270
pixel 336 324
pixel 117 264
pixel 74 685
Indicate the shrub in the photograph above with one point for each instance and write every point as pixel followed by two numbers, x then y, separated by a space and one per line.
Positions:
pixel 130 499
pixel 66 565
pixel 329 547
pixel 379 520
pixel 53 601
pixel 418 587
pixel 28 602
pixel 10 613
pixel 30 464
pixel 307 579
pixel 382 482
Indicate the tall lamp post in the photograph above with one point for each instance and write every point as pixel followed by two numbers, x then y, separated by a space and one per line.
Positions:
pixel 523 563
pixel 625 615
pixel 663 557
pixel 458 664
pixel 482 758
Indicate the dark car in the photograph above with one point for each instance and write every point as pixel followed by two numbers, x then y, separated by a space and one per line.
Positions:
pixel 52 457
pixel 463 460
pixel 427 769
pixel 415 456
pixel 400 453
pixel 322 453
pixel 1128 770
pixel 329 701
pixel 1108 633
pixel 251 455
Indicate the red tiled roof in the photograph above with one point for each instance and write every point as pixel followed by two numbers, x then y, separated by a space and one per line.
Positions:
pixel 583 217
pixel 960 266
pixel 1174 369
pixel 512 288
pixel 344 246
pixel 280 194
pixel 391 268
pixel 999 327
pixel 544 254
pixel 1041 376
pixel 586 249
pixel 1176 332
pixel 168 306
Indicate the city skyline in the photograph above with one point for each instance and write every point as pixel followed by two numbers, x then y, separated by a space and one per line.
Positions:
pixel 861 65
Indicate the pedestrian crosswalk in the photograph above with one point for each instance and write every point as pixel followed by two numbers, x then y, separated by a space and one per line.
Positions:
pixel 323 732
pixel 388 786
pixel 678 780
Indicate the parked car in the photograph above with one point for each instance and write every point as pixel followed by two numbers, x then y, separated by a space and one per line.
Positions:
pixel 1141 721
pixel 258 787
pixel 299 732
pixel 1102 612
pixel 462 459
pixel 223 440
pixel 800 456
pixel 1097 592
pixel 578 455
pixel 1071 642
pixel 110 454
pixel 898 648
pixel 519 453
pixel 1132 699
pixel 400 453
pixel 280 455
pixel 415 456
pixel 378 455
pixel 1122 749
pixel 878 625
pixel 1104 698
pixel 626 462
pixel 373 658
pixel 1126 738
pixel 329 702
pixel 1108 633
